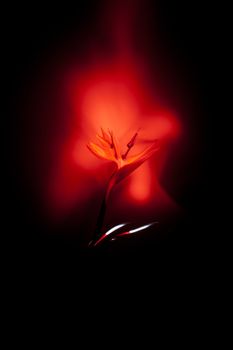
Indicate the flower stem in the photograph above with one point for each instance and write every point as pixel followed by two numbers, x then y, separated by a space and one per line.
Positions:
pixel 101 215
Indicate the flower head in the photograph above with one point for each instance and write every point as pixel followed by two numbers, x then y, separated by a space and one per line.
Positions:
pixel 109 149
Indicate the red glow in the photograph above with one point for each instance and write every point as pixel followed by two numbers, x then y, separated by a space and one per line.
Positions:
pixel 110 97
pixel 110 94
pixel 140 185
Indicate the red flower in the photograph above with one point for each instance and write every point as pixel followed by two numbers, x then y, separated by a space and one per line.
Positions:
pixel 109 149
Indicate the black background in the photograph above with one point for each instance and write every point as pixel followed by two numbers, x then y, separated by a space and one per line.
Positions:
pixel 191 36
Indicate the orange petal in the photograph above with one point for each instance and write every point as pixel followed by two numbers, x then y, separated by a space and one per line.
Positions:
pixel 97 151
pixel 110 152
pixel 106 136
pixel 115 145
pixel 102 141
pixel 100 152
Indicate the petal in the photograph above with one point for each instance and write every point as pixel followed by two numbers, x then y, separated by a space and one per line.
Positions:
pixel 106 137
pixel 115 145
pixel 110 152
pixel 101 153
pixel 97 150
pixel 102 141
